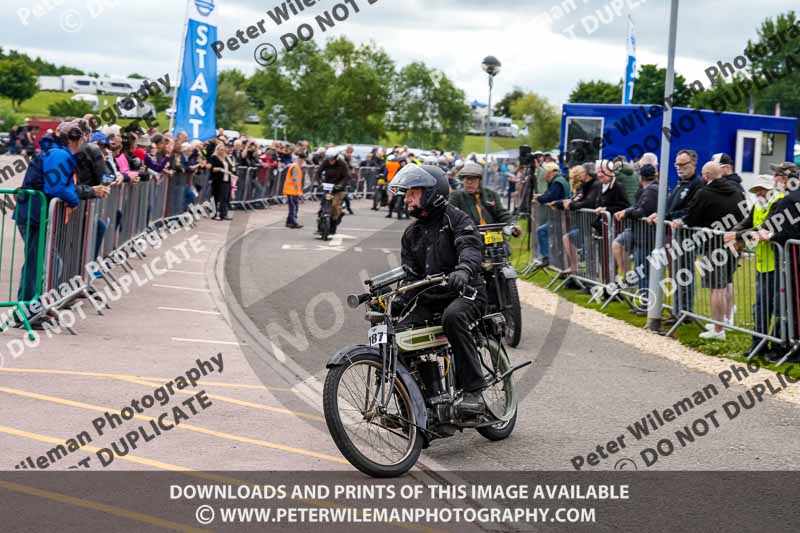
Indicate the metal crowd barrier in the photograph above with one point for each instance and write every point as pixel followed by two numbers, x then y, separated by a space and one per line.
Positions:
pixel 729 284
pixel 262 186
pixel 538 239
pixel 242 187
pixel 587 245
pixel 69 246
pixel 202 186
pixel 367 180
pixel 632 245
pixel 792 277
pixel 22 252
pixel 98 229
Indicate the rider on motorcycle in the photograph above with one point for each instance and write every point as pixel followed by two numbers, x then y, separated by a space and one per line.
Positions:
pixel 483 206
pixel 334 170
pixel 444 240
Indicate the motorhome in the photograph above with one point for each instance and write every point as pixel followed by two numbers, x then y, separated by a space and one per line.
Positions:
pixel 80 84
pixel 115 86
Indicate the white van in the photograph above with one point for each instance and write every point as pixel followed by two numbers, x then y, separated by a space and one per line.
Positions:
pixel 80 84
pixel 117 87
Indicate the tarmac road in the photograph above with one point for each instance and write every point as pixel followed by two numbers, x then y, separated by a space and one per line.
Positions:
pixel 287 289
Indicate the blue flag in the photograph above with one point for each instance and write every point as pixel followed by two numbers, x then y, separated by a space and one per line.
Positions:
pixel 630 70
pixel 196 107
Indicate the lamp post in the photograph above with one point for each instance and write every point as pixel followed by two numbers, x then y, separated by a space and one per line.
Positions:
pixel 491 65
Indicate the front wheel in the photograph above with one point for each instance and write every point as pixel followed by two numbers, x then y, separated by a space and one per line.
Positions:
pixel 513 314
pixel 324 224
pixel 380 444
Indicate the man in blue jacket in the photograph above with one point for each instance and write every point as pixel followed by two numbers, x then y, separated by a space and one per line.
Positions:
pixel 557 189
pixel 51 172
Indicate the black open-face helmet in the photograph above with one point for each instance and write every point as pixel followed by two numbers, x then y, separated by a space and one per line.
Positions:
pixel 431 179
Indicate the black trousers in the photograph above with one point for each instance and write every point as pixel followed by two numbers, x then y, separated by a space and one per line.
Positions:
pixel 457 315
pixel 222 197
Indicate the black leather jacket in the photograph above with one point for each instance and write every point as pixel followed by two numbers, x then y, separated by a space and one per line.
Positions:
pixel 444 242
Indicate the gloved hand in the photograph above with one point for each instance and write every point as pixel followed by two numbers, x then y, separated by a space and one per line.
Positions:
pixel 516 231
pixel 458 280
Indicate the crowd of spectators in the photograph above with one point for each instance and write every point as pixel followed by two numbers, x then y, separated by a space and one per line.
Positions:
pixel 710 197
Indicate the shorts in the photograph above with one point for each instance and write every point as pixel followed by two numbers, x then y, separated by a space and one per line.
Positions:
pixel 625 239
pixel 719 276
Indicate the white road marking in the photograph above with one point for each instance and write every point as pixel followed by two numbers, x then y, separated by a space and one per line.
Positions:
pixel 188 310
pixel 193 260
pixel 336 240
pixel 205 341
pixel 180 288
pixel 358 249
pixel 293 247
pixel 374 230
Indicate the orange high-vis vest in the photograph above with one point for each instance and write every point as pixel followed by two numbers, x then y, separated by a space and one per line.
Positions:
pixel 391 169
pixel 293 186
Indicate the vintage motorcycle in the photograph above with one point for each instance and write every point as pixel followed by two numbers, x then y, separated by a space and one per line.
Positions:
pixel 501 280
pixel 324 217
pixel 386 400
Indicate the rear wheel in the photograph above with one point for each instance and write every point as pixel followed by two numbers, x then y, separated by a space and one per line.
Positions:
pixel 513 314
pixel 500 398
pixel 379 444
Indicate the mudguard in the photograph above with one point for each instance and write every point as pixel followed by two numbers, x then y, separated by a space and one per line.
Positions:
pixel 420 412
pixel 509 272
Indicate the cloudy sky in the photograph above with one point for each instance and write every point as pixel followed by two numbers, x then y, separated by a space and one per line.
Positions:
pixel 584 39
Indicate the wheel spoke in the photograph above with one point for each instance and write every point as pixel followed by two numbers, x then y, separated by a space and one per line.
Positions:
pixel 387 438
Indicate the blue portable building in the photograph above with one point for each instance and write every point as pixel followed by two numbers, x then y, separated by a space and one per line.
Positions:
pixel 605 131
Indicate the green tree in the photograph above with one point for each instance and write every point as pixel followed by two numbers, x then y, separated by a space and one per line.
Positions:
pixel 8 119
pixel 596 92
pixel 337 94
pixel 776 53
pixel 733 96
pixel 231 106
pixel 235 76
pixel 544 130
pixel 17 81
pixel 160 101
pixel 41 67
pixel 70 108
pixel 428 110
pixel 503 107
pixel 649 87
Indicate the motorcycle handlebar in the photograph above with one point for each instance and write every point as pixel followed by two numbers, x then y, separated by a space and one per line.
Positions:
pixel 355 300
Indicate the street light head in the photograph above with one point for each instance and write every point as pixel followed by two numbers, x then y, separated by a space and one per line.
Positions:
pixel 491 65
